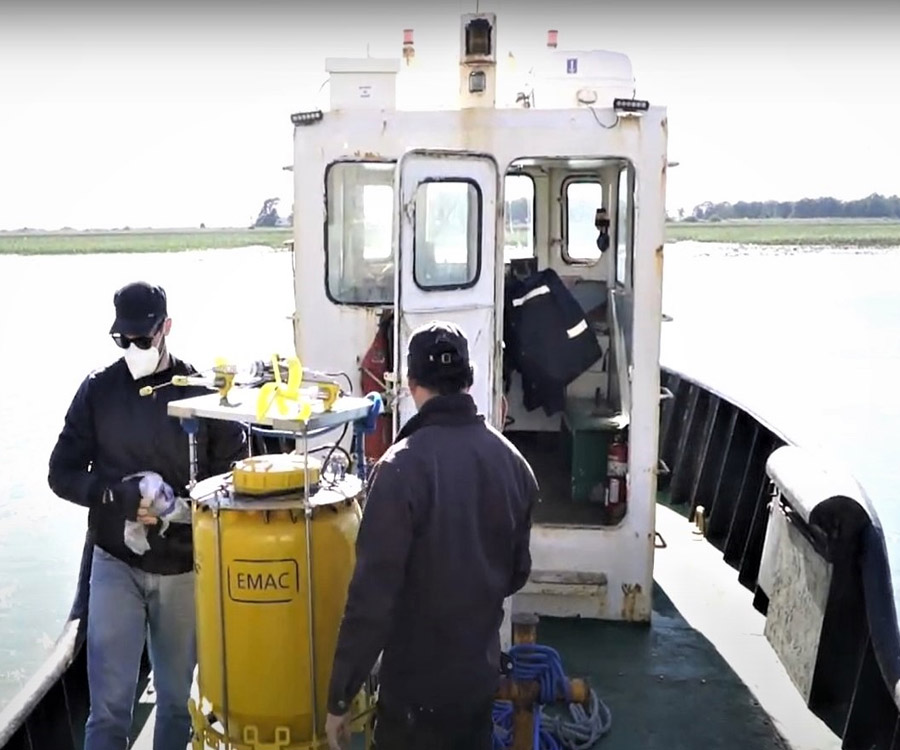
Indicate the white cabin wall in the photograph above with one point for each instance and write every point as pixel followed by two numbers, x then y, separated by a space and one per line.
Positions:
pixel 332 337
pixel 542 213
pixel 328 336
pixel 609 176
pixel 649 240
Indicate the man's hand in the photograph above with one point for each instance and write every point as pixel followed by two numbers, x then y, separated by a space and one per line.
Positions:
pixel 145 512
pixel 337 729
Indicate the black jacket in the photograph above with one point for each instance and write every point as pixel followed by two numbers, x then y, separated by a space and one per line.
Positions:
pixel 547 339
pixel 444 540
pixel 110 431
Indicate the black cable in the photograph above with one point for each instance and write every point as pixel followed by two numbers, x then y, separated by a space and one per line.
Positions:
pixel 331 449
pixel 334 447
pixel 343 375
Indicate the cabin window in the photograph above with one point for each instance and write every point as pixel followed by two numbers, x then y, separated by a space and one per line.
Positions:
pixel 447 249
pixel 359 200
pixel 518 217
pixel 625 227
pixel 582 199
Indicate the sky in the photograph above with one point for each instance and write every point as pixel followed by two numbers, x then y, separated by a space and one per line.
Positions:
pixel 176 113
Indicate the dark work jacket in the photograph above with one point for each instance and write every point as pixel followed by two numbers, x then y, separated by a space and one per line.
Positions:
pixel 547 339
pixel 111 431
pixel 444 539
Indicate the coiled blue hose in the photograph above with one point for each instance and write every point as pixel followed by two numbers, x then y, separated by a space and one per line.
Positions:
pixel 543 665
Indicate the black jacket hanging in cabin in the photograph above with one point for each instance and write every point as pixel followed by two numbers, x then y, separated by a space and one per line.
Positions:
pixel 547 339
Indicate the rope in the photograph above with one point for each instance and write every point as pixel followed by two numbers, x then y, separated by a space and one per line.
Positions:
pixel 584 727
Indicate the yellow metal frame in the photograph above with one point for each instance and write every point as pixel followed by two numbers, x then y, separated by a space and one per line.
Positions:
pixel 240 721
pixel 276 393
pixel 205 737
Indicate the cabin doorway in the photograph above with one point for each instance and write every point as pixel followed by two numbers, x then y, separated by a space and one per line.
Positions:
pixel 543 291
pixel 567 254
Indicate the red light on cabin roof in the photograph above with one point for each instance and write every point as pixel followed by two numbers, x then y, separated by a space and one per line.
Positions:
pixel 407 36
pixel 552 35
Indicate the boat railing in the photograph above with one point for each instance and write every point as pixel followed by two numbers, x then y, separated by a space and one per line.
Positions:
pixel 34 717
pixel 804 539
pixel 19 713
pixel 49 711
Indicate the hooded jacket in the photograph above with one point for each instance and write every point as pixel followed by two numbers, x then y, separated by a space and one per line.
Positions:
pixel 111 431
pixel 444 539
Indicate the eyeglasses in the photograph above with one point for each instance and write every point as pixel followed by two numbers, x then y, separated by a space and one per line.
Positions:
pixel 141 342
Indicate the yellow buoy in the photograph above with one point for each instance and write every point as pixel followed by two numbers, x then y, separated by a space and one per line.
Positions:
pixel 271 585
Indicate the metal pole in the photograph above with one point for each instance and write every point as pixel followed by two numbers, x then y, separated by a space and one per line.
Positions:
pixel 525 694
pixel 359 447
pixel 190 426
pixel 524 631
pixel 216 511
pixel 309 586
pixel 524 626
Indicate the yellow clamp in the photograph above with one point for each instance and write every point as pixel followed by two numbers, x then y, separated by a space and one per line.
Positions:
pixel 224 378
pixel 331 392
pixel 279 393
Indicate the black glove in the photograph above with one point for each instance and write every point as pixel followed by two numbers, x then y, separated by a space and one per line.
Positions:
pixel 126 495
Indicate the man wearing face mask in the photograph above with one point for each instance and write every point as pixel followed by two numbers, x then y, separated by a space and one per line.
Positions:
pixel 112 432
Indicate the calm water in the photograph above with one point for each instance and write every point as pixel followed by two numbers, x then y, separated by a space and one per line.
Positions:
pixel 55 315
pixel 810 341
pixel 810 338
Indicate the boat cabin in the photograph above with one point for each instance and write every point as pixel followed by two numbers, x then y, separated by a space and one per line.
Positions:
pixel 536 225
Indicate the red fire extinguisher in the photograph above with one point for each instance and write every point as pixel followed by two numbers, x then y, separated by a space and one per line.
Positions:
pixel 616 473
pixel 375 363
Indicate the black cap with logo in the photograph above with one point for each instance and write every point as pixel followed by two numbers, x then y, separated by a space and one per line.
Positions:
pixel 140 308
pixel 436 350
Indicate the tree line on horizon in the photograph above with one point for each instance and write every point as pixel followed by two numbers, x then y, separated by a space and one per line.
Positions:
pixel 875 206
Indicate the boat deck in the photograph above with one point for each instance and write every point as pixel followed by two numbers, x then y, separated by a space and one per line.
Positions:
pixel 701 675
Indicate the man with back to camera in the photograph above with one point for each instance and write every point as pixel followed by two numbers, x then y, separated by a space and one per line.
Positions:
pixel 444 539
pixel 111 432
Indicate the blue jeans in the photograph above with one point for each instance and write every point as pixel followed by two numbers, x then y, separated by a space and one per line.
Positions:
pixel 125 603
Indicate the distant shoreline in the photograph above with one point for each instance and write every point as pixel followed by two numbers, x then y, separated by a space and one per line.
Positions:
pixel 69 242
pixel 807 232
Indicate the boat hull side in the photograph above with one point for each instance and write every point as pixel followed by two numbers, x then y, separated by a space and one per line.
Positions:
pixel 827 599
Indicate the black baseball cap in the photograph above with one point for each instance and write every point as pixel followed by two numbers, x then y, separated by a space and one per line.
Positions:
pixel 140 308
pixel 435 349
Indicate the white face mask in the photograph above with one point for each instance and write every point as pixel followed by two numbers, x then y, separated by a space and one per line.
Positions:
pixel 141 362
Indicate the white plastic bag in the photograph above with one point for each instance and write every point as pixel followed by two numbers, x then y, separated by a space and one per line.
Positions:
pixel 163 503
